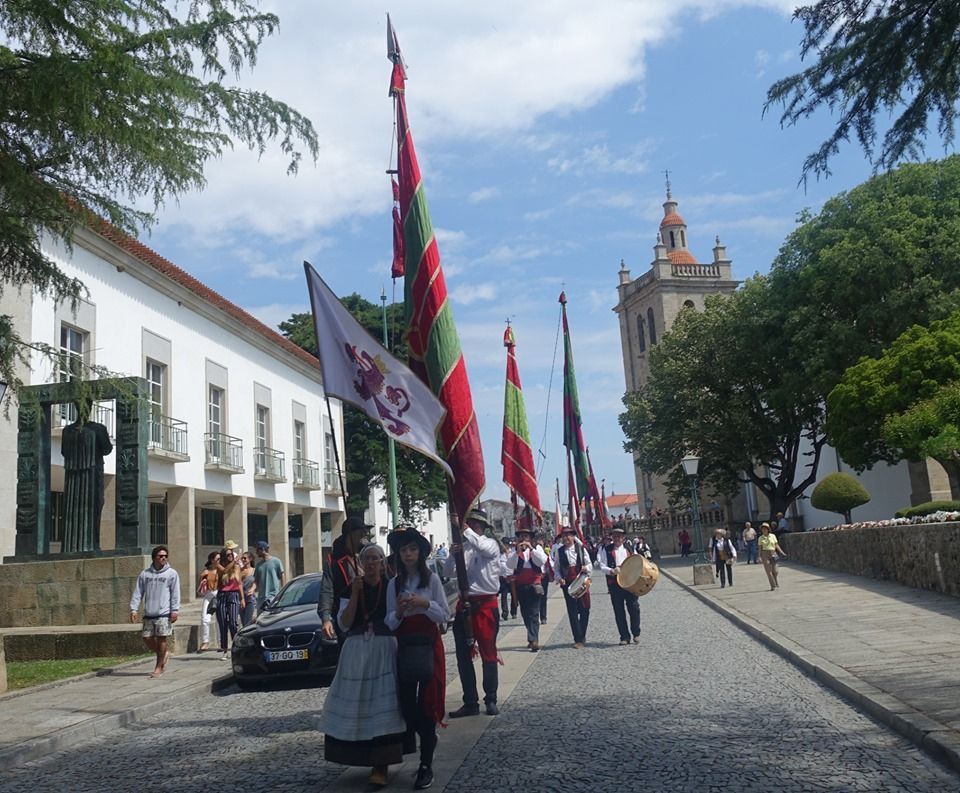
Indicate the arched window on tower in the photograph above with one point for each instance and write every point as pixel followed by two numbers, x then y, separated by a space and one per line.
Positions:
pixel 641 336
pixel 683 238
pixel 651 326
pixel 673 240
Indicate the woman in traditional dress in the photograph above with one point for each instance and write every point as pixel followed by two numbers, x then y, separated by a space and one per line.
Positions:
pixel 416 606
pixel 361 720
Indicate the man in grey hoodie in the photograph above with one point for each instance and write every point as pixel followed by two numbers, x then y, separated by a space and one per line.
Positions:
pixel 159 588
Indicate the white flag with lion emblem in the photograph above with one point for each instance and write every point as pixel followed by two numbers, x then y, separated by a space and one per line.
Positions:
pixel 359 370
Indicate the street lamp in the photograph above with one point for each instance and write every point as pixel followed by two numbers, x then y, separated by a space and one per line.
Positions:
pixel 691 466
pixel 654 550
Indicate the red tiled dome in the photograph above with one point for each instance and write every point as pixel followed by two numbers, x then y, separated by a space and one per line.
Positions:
pixel 673 219
pixel 681 257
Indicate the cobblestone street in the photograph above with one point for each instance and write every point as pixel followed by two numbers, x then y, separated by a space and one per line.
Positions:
pixel 697 706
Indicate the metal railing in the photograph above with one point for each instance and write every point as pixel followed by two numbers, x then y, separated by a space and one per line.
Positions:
pixel 269 464
pixel 330 479
pixel 223 451
pixel 306 473
pixel 168 435
pixel 101 412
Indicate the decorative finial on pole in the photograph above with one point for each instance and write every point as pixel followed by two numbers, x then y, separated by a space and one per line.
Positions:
pixel 667 175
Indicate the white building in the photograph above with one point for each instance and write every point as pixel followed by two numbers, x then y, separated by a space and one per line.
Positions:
pixel 435 525
pixel 240 440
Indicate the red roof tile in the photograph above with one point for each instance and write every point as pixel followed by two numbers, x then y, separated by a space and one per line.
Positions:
pixel 681 257
pixel 673 219
pixel 624 500
pixel 170 270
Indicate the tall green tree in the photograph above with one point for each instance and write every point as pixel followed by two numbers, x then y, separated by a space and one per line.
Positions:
pixel 902 404
pixel 105 103
pixel 421 484
pixel 874 58
pixel 728 384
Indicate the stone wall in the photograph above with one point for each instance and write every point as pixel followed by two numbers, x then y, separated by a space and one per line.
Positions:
pixel 68 591
pixel 924 557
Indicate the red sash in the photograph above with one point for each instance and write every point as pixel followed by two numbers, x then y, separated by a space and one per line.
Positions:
pixel 434 692
pixel 484 618
pixel 527 576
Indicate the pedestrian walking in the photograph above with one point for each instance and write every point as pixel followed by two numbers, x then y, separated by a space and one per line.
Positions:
pixel 684 537
pixel 722 553
pixel 249 583
pixel 416 607
pixel 230 600
pixel 158 588
pixel 547 578
pixel 481 556
pixel 641 547
pixel 269 574
pixel 207 592
pixel 750 541
pixel 624 603
pixel 570 561
pixel 361 720
pixel 341 570
pixel 769 550
pixel 527 561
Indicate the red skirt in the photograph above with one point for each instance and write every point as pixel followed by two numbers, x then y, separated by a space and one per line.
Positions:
pixel 434 692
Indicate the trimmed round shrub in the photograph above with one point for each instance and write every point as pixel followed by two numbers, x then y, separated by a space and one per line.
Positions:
pixel 839 492
pixel 928 508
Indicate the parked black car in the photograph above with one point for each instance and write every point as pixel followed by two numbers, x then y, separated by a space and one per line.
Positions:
pixel 286 640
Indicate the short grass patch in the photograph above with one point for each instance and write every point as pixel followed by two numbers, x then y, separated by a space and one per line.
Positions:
pixel 23 674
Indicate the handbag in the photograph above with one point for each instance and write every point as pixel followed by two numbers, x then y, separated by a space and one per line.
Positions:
pixel 212 608
pixel 202 587
pixel 414 658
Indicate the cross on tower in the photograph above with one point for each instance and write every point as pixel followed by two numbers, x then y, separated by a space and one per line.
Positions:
pixel 667 175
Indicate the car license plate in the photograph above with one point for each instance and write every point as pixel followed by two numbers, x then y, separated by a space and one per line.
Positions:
pixel 286 655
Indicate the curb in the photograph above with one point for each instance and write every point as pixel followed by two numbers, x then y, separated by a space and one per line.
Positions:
pixel 934 738
pixel 40 747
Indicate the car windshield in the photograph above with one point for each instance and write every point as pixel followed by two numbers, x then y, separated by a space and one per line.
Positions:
pixel 299 592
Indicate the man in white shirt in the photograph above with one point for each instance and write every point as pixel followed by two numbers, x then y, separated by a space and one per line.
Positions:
pixel 526 562
pixel 481 556
pixel 609 559
pixel 569 560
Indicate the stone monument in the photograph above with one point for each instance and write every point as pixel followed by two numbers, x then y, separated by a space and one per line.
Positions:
pixel 84 444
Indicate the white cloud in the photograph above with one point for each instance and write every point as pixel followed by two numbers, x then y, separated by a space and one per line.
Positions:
pixel 450 240
pixel 598 159
pixel 273 314
pixel 466 294
pixel 272 271
pixel 483 194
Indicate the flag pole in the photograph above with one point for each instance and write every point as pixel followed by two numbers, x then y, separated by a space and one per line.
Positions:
pixel 391 445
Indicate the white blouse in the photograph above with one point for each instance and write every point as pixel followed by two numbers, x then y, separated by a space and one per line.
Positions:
pixel 438 610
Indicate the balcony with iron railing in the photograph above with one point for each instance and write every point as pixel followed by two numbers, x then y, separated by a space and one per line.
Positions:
pixel 101 412
pixel 168 439
pixel 223 453
pixel 268 465
pixel 331 482
pixel 306 474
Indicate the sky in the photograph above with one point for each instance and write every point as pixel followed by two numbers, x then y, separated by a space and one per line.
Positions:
pixel 543 132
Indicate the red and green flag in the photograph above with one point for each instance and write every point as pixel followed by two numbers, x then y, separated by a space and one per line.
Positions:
pixel 435 353
pixel 599 507
pixel 572 424
pixel 515 453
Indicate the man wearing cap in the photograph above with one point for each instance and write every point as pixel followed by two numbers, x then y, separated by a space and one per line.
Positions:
pixel 569 560
pixel 481 557
pixel 269 574
pixel 526 562
pixel 343 567
pixel 610 557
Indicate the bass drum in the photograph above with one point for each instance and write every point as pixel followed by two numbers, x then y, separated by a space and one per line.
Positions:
pixel 638 575
pixel 579 586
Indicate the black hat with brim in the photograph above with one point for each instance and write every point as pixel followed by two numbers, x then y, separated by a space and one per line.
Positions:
pixel 354 523
pixel 407 535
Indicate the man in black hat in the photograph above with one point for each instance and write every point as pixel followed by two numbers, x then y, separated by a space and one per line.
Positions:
pixel 343 567
pixel 527 561
pixel 570 560
pixel 481 556
pixel 609 558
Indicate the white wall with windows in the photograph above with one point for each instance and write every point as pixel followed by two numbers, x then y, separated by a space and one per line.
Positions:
pixel 433 524
pixel 216 429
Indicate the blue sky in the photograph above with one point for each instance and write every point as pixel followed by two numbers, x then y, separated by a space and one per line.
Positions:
pixel 543 132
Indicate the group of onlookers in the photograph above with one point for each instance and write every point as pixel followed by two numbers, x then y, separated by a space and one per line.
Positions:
pixel 723 552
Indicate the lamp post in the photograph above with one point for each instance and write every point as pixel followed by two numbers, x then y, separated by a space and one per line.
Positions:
pixel 702 574
pixel 654 549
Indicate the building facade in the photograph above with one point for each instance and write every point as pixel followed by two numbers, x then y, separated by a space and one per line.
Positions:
pixel 240 442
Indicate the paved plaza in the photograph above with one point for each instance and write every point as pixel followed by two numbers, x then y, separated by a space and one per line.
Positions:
pixel 698 705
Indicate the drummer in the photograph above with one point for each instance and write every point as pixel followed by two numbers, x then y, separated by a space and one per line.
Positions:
pixel 569 560
pixel 609 560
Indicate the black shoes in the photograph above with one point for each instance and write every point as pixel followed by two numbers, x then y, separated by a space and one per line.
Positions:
pixel 465 710
pixel 424 778
pixel 492 709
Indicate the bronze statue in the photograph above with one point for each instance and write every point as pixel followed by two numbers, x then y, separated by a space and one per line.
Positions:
pixel 84 445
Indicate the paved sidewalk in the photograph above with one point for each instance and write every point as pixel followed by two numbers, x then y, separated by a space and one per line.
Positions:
pixel 892 650
pixel 51 717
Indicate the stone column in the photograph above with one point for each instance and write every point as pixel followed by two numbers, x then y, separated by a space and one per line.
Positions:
pixel 108 518
pixel 312 545
pixel 182 538
pixel 277 533
pixel 928 482
pixel 235 520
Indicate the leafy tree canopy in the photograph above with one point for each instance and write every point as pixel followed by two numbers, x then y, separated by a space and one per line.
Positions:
pixel 839 492
pixel 875 57
pixel 107 102
pixel 421 484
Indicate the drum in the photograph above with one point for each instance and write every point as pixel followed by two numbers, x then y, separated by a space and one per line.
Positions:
pixel 579 586
pixel 638 575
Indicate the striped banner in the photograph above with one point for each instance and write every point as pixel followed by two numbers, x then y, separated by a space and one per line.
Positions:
pixel 516 454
